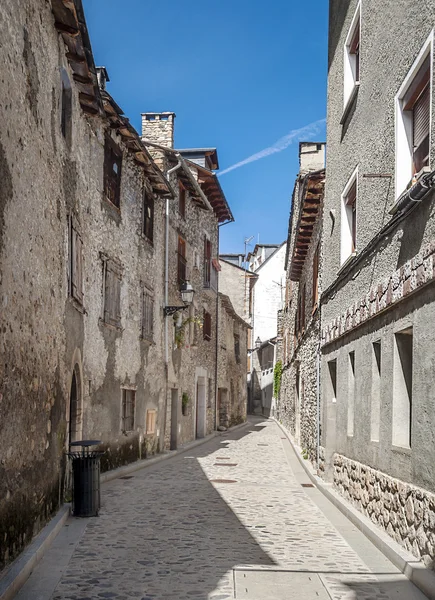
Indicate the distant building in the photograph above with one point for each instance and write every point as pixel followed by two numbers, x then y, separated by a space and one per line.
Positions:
pixel 299 336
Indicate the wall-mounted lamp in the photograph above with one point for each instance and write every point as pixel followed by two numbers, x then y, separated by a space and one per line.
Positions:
pixel 187 293
pixel 257 345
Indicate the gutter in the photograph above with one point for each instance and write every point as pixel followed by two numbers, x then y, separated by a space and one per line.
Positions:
pixel 404 205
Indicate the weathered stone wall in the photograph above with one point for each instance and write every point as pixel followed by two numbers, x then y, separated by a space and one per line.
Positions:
pixel 406 512
pixel 196 358
pixel 231 373
pixel 234 283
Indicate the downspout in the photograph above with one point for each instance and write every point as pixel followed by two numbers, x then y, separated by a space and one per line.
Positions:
pixel 318 406
pixel 166 296
pixel 166 299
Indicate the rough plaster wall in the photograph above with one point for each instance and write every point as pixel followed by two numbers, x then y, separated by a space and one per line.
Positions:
pixel 370 144
pixel 267 296
pixel 33 380
pixel 232 283
pixel 185 361
pixel 229 370
pixel 304 353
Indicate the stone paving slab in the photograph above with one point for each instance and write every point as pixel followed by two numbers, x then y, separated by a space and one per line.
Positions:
pixel 178 530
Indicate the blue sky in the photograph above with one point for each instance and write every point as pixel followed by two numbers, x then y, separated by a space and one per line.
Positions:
pixel 240 75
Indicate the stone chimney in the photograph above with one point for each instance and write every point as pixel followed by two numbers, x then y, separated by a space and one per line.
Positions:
pixel 102 76
pixel 159 128
pixel 311 156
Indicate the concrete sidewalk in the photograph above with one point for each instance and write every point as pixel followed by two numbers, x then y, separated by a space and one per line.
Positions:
pixel 232 518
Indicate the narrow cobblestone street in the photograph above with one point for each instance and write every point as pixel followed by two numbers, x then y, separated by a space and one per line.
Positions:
pixel 229 519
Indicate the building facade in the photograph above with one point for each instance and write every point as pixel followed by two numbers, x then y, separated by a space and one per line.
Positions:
pixel 299 336
pixel 97 238
pixel 378 295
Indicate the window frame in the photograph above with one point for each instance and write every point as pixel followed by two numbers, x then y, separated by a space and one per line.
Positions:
pixel 148 220
pixel 404 152
pixel 130 426
pixel 75 261
pixel 112 180
pixel 147 321
pixel 206 328
pixel 207 262
pixel 150 421
pixel 111 313
pixel 315 291
pixel 352 60
pixel 181 199
pixel 349 231
pixel 181 260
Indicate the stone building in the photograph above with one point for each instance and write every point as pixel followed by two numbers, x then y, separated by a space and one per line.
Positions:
pixel 378 295
pixel 76 356
pixel 232 364
pixel 192 222
pixel 299 339
pixel 95 242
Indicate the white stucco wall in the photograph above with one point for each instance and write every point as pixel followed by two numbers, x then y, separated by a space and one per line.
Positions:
pixel 268 295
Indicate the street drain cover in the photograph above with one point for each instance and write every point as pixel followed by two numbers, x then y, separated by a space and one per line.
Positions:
pixel 127 477
pixel 279 585
pixel 262 444
pixel 225 465
pixel 223 481
pixel 307 485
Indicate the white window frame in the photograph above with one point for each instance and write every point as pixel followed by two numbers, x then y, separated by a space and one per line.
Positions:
pixel 350 82
pixel 346 226
pixel 403 120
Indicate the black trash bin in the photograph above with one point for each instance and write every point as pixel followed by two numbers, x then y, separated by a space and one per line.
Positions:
pixel 85 479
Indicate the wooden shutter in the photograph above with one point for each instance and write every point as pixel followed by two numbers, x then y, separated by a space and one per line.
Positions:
pixel 316 276
pixel 421 117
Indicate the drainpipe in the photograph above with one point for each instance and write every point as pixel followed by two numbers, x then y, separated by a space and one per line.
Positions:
pixel 168 174
pixel 166 297
pixel 318 405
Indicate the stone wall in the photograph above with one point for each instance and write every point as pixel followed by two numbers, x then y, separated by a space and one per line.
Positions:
pixel 404 511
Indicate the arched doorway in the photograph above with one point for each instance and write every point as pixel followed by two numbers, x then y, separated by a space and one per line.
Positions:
pixel 75 407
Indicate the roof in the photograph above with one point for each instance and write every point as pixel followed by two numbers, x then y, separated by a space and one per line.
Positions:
pixel 311 201
pixel 212 189
pixel 71 24
pixel 228 262
pixel 277 248
pixel 210 152
pixel 226 303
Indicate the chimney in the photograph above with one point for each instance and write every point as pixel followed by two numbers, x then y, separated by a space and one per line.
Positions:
pixel 102 76
pixel 311 156
pixel 159 128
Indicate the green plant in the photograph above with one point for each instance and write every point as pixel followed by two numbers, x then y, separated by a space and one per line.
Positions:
pixel 184 402
pixel 277 375
pixel 180 330
pixel 305 454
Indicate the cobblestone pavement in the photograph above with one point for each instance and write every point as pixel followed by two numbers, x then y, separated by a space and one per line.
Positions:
pixel 201 524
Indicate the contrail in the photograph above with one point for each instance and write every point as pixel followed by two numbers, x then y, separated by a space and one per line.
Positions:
pixel 281 144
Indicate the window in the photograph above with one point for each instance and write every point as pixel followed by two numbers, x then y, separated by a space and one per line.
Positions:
pixel 206 327
pixel 128 406
pixel 351 394
pixel 75 253
pixel 147 314
pixel 332 368
pixel 148 216
pixel 112 275
pixel 237 347
pixel 181 254
pixel 375 396
pixel 181 199
pixel 207 262
pixel 66 108
pixel 316 278
pixel 112 172
pixel 413 120
pixel 402 388
pixel 348 218
pixel 352 59
pixel 151 421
